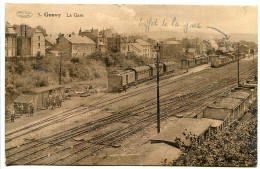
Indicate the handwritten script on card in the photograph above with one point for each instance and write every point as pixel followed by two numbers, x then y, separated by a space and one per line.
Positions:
pixel 155 22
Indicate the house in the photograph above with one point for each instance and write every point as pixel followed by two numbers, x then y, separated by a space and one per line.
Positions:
pixel 141 48
pixel 98 37
pixel 146 48
pixel 10 41
pixel 171 49
pixel 74 45
pixel 135 48
pixel 200 46
pixel 114 43
pixel 30 41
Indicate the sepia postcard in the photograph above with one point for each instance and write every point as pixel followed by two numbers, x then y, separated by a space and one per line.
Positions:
pixel 131 85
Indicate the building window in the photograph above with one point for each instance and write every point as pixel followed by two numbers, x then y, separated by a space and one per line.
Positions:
pixel 9 52
pixel 14 53
pixel 39 38
pixel 39 45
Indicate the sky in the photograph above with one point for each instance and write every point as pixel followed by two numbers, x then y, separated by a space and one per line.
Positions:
pixel 127 19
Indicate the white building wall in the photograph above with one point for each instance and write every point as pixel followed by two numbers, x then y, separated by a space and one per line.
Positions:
pixel 38 44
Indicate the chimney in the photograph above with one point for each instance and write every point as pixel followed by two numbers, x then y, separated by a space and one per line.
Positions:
pixel 80 31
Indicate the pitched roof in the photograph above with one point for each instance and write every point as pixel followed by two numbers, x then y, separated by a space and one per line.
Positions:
pixel 51 39
pixel 10 30
pixel 79 39
pixel 137 46
pixel 142 42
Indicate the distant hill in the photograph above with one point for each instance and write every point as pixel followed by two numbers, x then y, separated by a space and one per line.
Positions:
pixel 162 35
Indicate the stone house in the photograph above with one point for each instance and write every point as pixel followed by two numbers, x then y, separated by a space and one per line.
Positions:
pixel 98 37
pixel 74 45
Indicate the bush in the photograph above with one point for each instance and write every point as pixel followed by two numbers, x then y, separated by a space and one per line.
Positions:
pixel 232 148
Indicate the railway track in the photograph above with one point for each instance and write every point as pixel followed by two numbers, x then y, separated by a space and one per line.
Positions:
pixel 73 133
pixel 33 130
pixel 116 131
pixel 205 91
pixel 81 109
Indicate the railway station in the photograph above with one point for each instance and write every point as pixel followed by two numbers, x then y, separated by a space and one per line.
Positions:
pixel 216 116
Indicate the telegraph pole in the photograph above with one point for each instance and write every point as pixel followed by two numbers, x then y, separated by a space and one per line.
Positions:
pixel 238 65
pixel 157 48
pixel 60 68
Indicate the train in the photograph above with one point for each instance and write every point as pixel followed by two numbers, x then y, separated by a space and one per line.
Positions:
pixel 122 79
pixel 221 60
pixel 193 62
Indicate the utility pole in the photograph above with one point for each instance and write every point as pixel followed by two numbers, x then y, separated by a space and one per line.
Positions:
pixel 238 64
pixel 60 67
pixel 157 48
pixel 253 56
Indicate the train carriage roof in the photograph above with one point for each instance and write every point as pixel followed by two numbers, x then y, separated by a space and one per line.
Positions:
pixel 125 72
pixel 139 68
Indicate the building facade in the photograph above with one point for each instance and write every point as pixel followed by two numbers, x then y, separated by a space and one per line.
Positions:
pixel 171 49
pixel 98 37
pixel 10 42
pixel 146 48
pixel 74 46
pixel 30 42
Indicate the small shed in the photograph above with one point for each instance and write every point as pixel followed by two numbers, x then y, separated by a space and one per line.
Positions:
pixel 41 94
